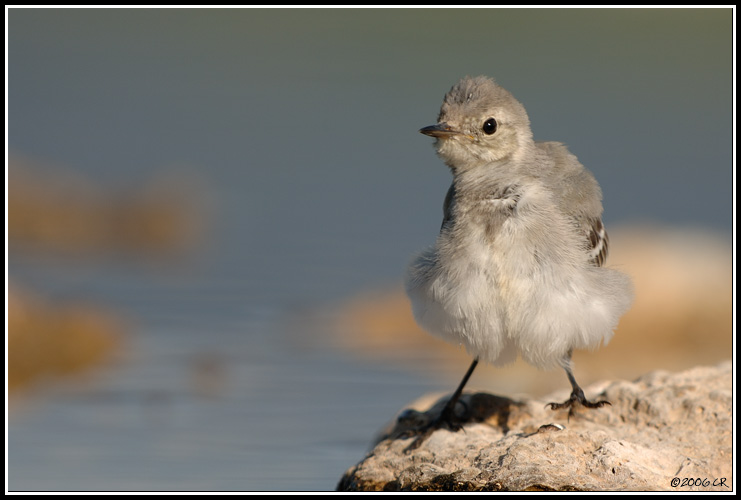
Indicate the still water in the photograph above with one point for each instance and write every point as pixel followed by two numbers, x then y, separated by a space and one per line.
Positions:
pixel 302 126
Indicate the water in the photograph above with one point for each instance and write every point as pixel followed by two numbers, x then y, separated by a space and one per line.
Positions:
pixel 283 422
pixel 302 125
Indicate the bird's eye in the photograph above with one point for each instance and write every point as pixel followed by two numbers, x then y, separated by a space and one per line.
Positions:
pixel 490 126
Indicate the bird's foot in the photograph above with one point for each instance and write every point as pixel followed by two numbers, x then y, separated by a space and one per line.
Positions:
pixel 447 419
pixel 577 398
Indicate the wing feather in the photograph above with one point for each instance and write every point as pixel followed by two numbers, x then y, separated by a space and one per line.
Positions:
pixel 597 241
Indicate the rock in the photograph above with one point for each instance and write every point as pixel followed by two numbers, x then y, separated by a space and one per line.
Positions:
pixel 665 431
pixel 48 340
pixel 52 210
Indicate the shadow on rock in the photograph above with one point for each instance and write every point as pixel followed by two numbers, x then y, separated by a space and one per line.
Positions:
pixel 479 407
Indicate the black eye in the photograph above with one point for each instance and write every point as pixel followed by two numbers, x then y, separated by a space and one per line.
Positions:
pixel 490 126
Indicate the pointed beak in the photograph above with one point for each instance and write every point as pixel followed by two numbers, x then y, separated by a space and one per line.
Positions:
pixel 439 130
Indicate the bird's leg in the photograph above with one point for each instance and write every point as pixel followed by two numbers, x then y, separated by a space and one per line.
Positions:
pixel 447 417
pixel 577 394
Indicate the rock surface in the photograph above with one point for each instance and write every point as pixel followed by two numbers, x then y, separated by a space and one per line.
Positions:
pixel 665 431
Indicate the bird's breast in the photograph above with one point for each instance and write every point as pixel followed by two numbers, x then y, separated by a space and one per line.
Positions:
pixel 506 234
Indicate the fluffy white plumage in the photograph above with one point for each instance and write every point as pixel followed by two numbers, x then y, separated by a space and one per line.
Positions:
pixel 516 268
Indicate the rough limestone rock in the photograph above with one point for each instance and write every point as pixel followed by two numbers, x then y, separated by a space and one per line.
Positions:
pixel 665 431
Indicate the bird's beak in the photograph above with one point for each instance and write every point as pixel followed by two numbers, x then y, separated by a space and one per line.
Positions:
pixel 439 130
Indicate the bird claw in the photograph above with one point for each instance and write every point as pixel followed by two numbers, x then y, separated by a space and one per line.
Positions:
pixel 577 398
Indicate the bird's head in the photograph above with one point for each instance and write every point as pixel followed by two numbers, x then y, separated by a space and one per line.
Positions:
pixel 479 123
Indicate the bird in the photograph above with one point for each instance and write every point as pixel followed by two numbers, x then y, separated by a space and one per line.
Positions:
pixel 518 266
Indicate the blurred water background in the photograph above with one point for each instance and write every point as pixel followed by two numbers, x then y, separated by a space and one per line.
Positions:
pixel 287 139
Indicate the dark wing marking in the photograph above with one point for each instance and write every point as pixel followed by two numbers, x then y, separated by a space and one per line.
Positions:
pixel 597 241
pixel 448 206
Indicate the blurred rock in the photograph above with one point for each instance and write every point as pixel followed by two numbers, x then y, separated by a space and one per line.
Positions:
pixel 53 210
pixel 661 427
pixel 47 341
pixel 682 316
